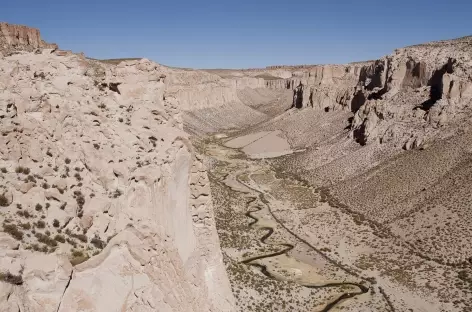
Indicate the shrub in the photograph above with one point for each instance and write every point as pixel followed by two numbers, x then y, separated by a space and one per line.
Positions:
pixel 49 153
pixel 31 178
pixel 67 161
pixel 4 201
pixel 19 206
pixel 98 243
pixel 48 205
pixel 96 146
pixel 45 240
pixel 55 223
pixel 77 176
pixel 11 279
pixel 38 207
pixel 77 253
pixel 4 170
pixel 24 213
pixel 59 238
pixel 45 186
pixel 80 237
pixel 13 231
pixel 23 170
pixel 78 260
pixel 40 224
pixel 26 226
pixel 63 206
pixel 117 193
pixel 72 242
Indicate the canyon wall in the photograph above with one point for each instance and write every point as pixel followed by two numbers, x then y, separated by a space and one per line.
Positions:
pixel 105 205
pixel 403 98
pixel 19 37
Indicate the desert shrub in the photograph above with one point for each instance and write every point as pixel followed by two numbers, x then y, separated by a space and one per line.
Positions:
pixel 117 193
pixel 80 237
pixel 98 243
pixel 42 238
pixel 12 229
pixel 45 186
pixel 78 260
pixel 26 226
pixel 38 207
pixel 24 213
pixel 40 224
pixel 55 223
pixel 48 205
pixel 19 206
pixel 24 170
pixel 71 242
pixel 31 178
pixel 77 176
pixel 96 146
pixel 4 170
pixel 49 153
pixel 59 238
pixel 11 279
pixel 67 161
pixel 77 253
pixel 63 206
pixel 45 249
pixel 4 201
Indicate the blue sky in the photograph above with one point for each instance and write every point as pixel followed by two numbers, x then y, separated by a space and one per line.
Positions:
pixel 241 33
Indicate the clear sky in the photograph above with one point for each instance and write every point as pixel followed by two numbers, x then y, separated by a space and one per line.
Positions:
pixel 241 33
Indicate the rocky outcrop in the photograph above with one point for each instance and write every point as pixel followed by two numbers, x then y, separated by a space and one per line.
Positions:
pixel 19 37
pixel 105 204
pixel 402 98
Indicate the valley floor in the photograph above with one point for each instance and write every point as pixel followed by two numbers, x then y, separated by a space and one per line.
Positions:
pixel 291 247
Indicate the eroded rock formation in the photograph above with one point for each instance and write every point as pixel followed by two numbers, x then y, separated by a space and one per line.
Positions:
pixel 105 204
pixel 19 37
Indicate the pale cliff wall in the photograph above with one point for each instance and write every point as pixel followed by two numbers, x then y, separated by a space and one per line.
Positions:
pixel 95 161
pixel 21 37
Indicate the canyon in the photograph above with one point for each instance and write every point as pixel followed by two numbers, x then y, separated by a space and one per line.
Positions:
pixel 128 185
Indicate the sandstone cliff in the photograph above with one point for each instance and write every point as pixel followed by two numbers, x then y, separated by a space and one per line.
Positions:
pixel 19 37
pixel 104 204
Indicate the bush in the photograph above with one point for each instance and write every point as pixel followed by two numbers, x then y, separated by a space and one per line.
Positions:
pixel 78 260
pixel 23 170
pixel 48 205
pixel 63 206
pixel 40 224
pixel 77 176
pixel 55 223
pixel 26 226
pixel 98 243
pixel 67 161
pixel 59 238
pixel 4 201
pixel 11 279
pixel 13 231
pixel 45 186
pixel 38 207
pixel 24 213
pixel 46 240
pixel 4 170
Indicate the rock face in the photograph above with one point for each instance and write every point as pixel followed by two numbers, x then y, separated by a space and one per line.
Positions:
pixel 403 98
pixel 19 37
pixel 105 204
